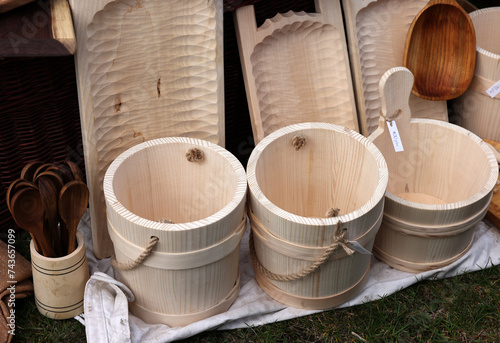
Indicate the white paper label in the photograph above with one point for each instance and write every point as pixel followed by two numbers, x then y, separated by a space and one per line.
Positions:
pixel 359 248
pixel 494 90
pixel 396 140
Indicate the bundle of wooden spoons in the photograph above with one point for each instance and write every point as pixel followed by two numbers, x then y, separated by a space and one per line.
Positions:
pixel 48 201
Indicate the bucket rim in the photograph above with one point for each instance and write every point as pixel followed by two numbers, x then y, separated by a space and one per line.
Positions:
pixel 478 13
pixel 238 197
pixel 477 197
pixel 376 197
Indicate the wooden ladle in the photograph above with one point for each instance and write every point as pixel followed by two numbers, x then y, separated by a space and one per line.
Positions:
pixel 28 212
pixel 73 201
pixel 440 51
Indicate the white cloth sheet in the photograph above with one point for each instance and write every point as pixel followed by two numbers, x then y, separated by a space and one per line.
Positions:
pixel 107 318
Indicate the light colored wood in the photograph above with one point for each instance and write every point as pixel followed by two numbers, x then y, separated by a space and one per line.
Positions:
pixel 493 214
pixel 296 68
pixel 376 32
pixel 432 203
pixel 193 269
pixel 477 111
pixel 440 51
pixel 145 70
pixel 59 282
pixel 290 192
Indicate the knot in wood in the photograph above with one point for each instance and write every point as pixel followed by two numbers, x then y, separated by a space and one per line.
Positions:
pixel 298 141
pixel 195 155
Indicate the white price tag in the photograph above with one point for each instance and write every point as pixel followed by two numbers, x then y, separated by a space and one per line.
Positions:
pixel 396 139
pixel 494 90
pixel 359 248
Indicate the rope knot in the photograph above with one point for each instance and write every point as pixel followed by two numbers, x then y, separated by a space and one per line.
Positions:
pixel 341 239
pixel 195 155
pixel 298 142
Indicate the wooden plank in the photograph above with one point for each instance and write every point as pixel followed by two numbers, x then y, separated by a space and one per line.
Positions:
pixel 42 28
pixel 493 214
pixel 296 68
pixel 376 33
pixel 146 69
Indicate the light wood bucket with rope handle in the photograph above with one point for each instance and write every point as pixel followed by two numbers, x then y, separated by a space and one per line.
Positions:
pixel 476 109
pixel 316 197
pixel 440 183
pixel 176 210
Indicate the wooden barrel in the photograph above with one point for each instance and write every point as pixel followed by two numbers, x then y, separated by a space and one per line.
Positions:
pixel 315 196
pixel 477 110
pixel 182 200
pixel 440 183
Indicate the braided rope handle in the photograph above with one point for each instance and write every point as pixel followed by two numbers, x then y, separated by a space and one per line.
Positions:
pixel 339 241
pixel 139 260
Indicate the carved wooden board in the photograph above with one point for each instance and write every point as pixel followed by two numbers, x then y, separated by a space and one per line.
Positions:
pixel 296 68
pixel 376 31
pixel 146 69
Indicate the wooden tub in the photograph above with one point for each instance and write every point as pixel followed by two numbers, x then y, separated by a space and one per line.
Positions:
pixel 189 194
pixel 297 177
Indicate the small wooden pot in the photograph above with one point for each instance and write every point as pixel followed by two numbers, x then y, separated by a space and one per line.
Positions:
pixel 296 175
pixel 191 195
pixel 59 282
pixel 440 184
pixel 477 111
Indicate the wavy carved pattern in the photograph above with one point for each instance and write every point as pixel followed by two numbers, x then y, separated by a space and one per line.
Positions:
pixel 381 31
pixel 300 76
pixel 153 73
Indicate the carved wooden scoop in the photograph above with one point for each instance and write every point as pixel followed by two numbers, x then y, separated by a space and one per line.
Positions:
pixel 440 51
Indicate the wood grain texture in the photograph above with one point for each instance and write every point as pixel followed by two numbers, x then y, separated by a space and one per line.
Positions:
pixel 194 266
pixel 146 69
pixel 291 190
pixel 432 204
pixel 493 214
pixel 296 68
pixel 376 31
pixel 42 28
pixel 477 111
pixel 440 51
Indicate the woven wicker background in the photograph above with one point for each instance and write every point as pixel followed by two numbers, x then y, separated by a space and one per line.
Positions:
pixel 39 117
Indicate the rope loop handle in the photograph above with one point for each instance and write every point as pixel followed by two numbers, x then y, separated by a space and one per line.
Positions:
pixel 339 241
pixel 139 260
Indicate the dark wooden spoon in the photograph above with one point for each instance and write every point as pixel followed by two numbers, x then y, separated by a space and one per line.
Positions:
pixel 28 213
pixel 77 173
pixel 50 184
pixel 29 169
pixel 73 201
pixel 440 51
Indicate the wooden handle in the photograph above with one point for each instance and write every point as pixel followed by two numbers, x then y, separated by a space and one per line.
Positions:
pixel 395 88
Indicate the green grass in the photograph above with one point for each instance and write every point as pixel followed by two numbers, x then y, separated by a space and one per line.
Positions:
pixel 464 308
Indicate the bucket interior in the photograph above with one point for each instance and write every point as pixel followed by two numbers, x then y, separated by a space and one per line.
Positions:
pixel 443 166
pixel 483 24
pixel 159 183
pixel 332 170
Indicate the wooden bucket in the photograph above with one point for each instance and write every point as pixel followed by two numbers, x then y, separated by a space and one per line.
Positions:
pixel 297 175
pixel 59 282
pixel 477 110
pixel 440 185
pixel 183 201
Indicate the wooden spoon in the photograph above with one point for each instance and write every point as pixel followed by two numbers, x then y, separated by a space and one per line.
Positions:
pixel 73 201
pixel 29 169
pixel 77 173
pixel 28 213
pixel 49 185
pixel 440 51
